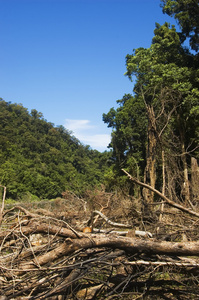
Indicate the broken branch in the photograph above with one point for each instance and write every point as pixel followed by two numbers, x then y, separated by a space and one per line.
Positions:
pixel 170 202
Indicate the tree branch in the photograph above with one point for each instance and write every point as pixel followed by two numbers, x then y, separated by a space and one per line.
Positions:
pixel 170 202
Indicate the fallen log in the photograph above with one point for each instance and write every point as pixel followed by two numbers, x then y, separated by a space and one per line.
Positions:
pixel 145 234
pixel 130 245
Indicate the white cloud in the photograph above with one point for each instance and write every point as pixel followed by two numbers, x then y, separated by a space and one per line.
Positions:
pixel 88 134
pixel 96 141
pixel 77 125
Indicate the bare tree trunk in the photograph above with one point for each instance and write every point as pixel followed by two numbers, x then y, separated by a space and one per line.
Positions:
pixel 163 188
pixel 150 170
pixel 186 179
pixel 163 184
pixel 3 203
pixel 194 178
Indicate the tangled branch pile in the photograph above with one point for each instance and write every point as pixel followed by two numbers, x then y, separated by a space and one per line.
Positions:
pixel 45 255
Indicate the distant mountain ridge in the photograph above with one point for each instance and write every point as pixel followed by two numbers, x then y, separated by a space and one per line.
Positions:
pixel 38 158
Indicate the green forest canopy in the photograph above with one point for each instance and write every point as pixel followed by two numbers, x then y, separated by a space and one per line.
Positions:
pixel 44 160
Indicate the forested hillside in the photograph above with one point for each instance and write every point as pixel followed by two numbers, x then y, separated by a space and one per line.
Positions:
pixel 38 158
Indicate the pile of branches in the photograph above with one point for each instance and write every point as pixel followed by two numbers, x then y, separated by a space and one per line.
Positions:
pixel 44 257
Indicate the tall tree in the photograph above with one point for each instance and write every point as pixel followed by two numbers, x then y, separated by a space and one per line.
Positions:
pixel 166 85
pixel 128 122
pixel 165 88
pixel 186 12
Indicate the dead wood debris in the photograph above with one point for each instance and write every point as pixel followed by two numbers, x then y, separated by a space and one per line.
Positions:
pixel 44 257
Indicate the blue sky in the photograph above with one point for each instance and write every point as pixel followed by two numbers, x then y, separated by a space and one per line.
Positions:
pixel 66 58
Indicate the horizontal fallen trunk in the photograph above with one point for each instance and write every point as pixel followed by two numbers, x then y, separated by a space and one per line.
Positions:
pixel 163 263
pixel 38 227
pixel 130 245
pixel 140 233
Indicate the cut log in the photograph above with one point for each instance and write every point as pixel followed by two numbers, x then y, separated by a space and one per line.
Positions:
pixel 130 245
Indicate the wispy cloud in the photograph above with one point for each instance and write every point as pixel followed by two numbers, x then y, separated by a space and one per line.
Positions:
pixel 88 134
pixel 78 125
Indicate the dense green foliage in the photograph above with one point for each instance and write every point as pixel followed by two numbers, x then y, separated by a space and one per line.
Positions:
pixel 186 12
pixel 38 158
pixel 128 138
pixel 159 124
